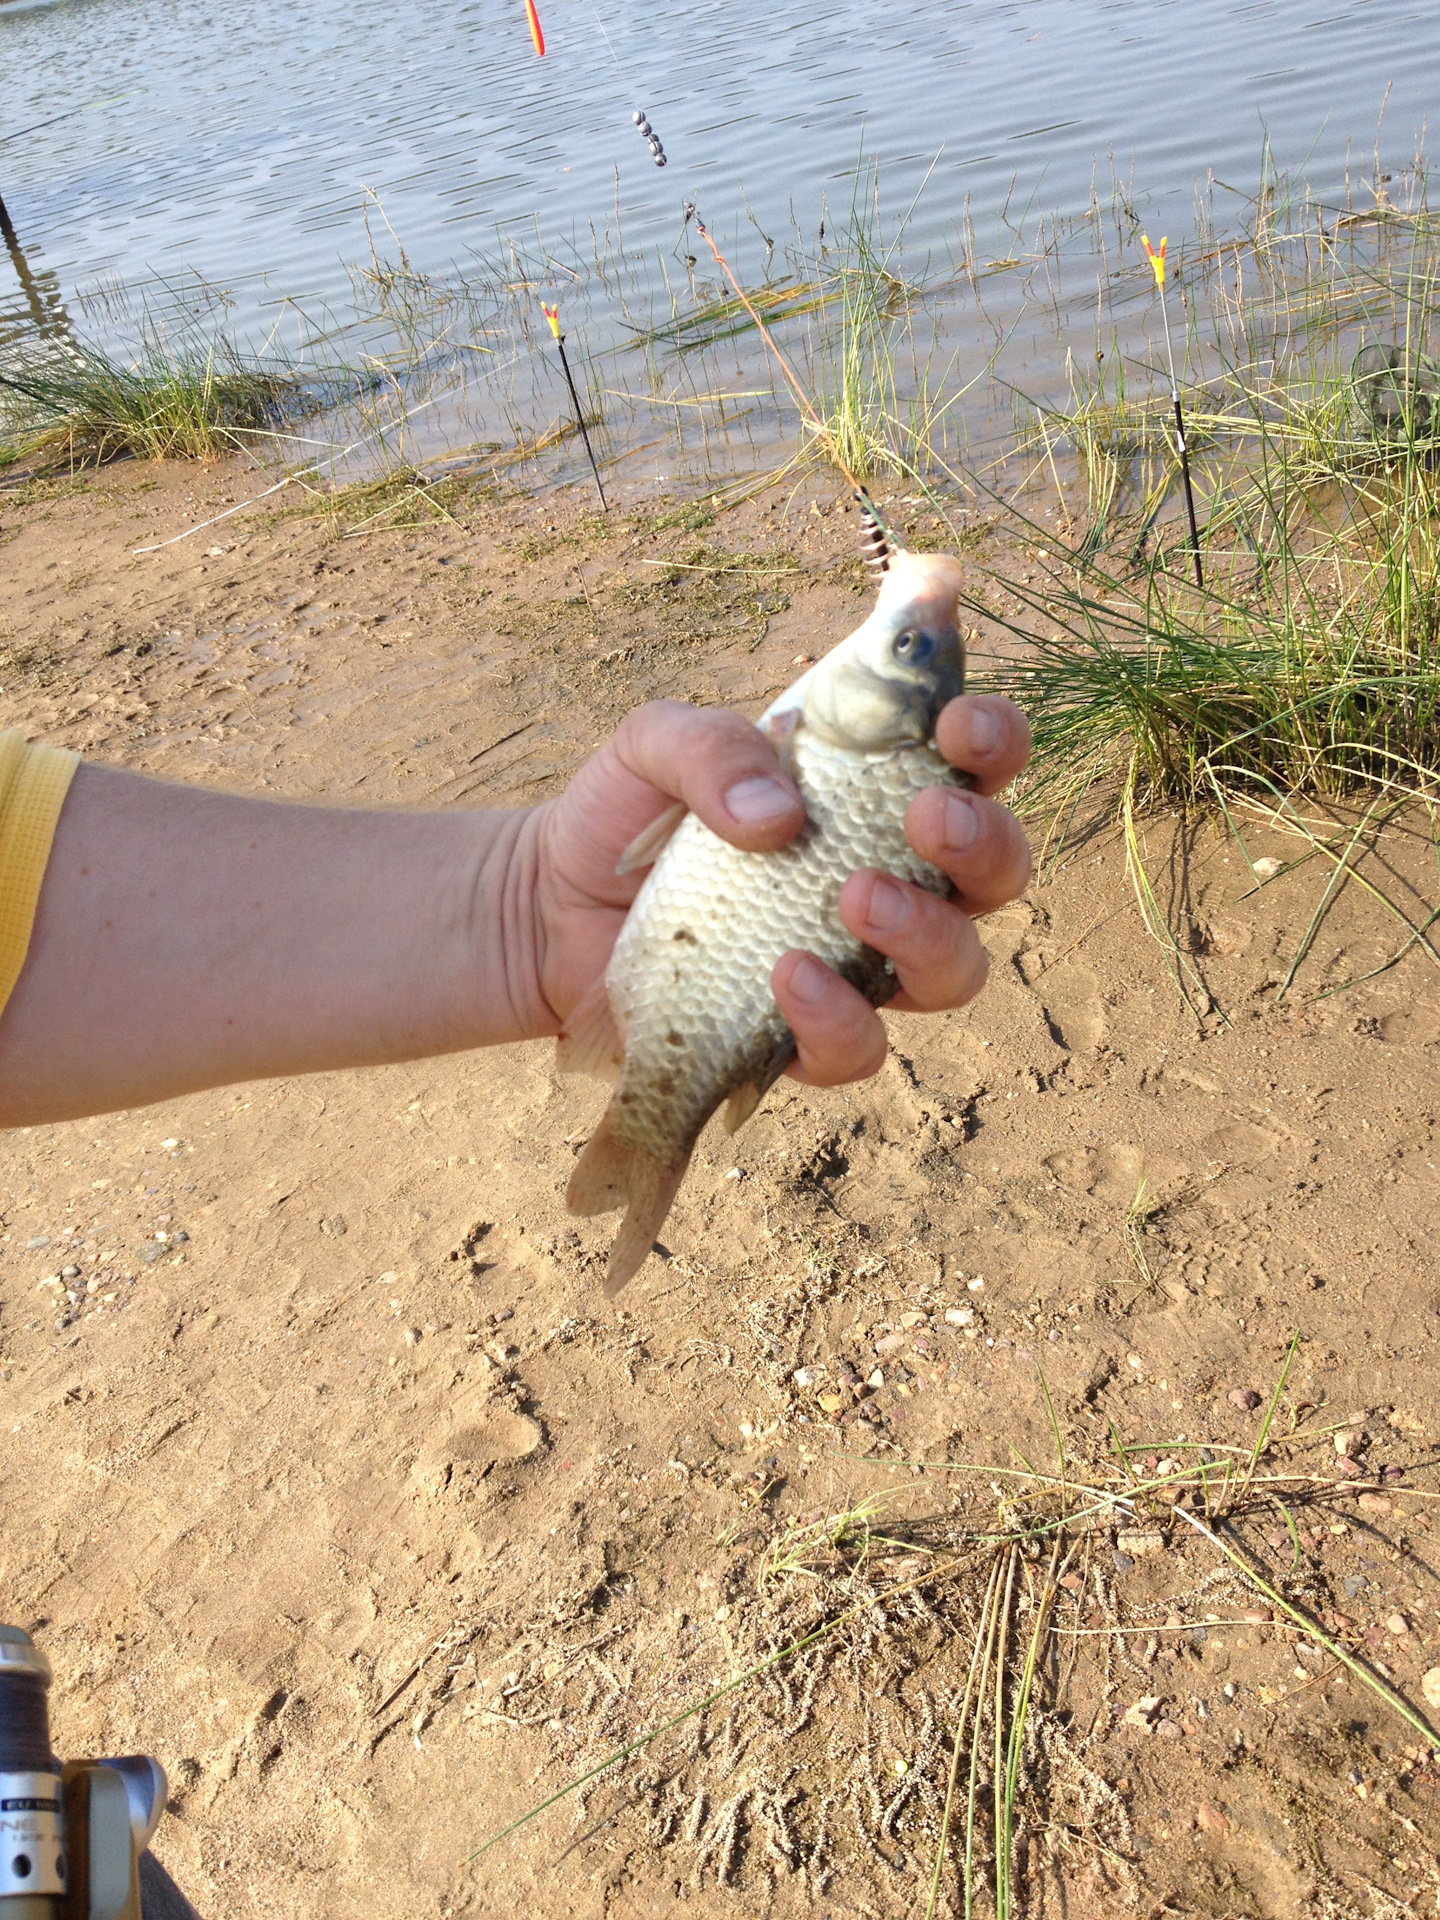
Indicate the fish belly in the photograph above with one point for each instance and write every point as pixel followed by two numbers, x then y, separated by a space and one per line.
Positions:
pixel 689 980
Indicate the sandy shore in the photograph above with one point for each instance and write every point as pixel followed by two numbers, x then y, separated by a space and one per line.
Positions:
pixel 344 1492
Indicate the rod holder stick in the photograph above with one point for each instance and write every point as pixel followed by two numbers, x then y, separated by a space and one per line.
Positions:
pixel 552 314
pixel 1157 262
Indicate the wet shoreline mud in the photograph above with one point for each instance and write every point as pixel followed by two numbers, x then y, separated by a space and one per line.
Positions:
pixel 340 1488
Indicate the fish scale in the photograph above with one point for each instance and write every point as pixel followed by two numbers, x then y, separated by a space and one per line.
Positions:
pixel 689 980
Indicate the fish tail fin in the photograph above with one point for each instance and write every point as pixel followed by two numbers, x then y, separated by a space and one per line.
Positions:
pixel 611 1174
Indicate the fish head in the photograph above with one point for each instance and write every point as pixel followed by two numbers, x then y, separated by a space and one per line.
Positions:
pixel 885 685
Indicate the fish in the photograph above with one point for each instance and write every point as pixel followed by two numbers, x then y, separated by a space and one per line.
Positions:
pixel 684 1020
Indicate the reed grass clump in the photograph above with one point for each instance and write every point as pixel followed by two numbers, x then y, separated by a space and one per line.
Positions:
pixel 71 402
pixel 1310 662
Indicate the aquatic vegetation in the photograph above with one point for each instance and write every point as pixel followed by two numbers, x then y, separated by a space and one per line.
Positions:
pixel 73 403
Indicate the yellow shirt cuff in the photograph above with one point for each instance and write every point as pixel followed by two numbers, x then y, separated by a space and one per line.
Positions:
pixel 33 783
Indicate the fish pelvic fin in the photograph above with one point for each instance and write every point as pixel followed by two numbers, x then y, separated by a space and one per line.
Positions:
pixel 745 1098
pixel 648 845
pixel 611 1174
pixel 742 1103
pixel 590 1042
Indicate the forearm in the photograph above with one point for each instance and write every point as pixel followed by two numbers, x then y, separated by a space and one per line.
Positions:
pixel 185 939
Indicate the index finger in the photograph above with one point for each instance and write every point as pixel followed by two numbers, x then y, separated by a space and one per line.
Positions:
pixel 719 764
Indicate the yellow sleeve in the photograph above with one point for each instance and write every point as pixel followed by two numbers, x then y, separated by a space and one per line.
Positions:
pixel 33 785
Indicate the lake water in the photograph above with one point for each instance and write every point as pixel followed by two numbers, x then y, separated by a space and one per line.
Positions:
pixel 242 149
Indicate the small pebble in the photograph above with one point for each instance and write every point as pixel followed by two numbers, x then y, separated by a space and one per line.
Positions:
pixel 805 1376
pixel 500 1315
pixel 891 1343
pixel 1168 1730
pixel 69 1273
pixel 1347 1468
pixel 1134 1544
pixel 1430 1686
pixel 1210 1819
pixel 1392 1473
pixel 1374 1503
pixel 412 1336
pixel 1396 1623
pixel 911 1319
pixel 1143 1711
pixel 1245 1398
pixel 1257 1615
pixel 1123 1562
pixel 37 1240
pixel 877 1378
pixel 1348 1444
pixel 960 1316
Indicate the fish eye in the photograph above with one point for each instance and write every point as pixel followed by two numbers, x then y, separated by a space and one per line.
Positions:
pixel 912 645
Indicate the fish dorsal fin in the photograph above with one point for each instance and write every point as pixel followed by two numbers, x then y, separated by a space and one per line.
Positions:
pixel 590 1042
pixel 648 845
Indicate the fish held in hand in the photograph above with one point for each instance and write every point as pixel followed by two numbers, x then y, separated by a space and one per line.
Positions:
pixel 684 1018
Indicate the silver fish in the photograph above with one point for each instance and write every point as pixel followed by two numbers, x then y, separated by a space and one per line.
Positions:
pixel 684 1018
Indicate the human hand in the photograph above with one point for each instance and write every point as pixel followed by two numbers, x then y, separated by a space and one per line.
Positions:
pixel 726 771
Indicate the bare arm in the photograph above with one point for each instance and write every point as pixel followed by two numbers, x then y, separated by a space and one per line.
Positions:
pixel 189 939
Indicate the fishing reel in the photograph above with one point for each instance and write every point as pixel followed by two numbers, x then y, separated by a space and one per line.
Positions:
pixel 71 1835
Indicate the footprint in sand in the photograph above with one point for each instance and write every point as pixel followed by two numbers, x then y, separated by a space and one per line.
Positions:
pixel 1239 1142
pixel 1074 1011
pixel 1113 1172
pixel 1412 1026
pixel 476 1436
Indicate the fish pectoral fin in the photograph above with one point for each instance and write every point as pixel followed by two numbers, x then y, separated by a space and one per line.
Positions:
pixel 611 1174
pixel 780 730
pixel 742 1103
pixel 648 845
pixel 590 1042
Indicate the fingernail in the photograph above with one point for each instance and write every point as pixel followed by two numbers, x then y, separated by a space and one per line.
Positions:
pixel 809 981
pixel 961 824
pixel 889 906
pixel 759 798
pixel 984 731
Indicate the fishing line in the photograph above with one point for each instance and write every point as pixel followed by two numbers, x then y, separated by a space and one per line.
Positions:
pixel 70 115
pixel 878 540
